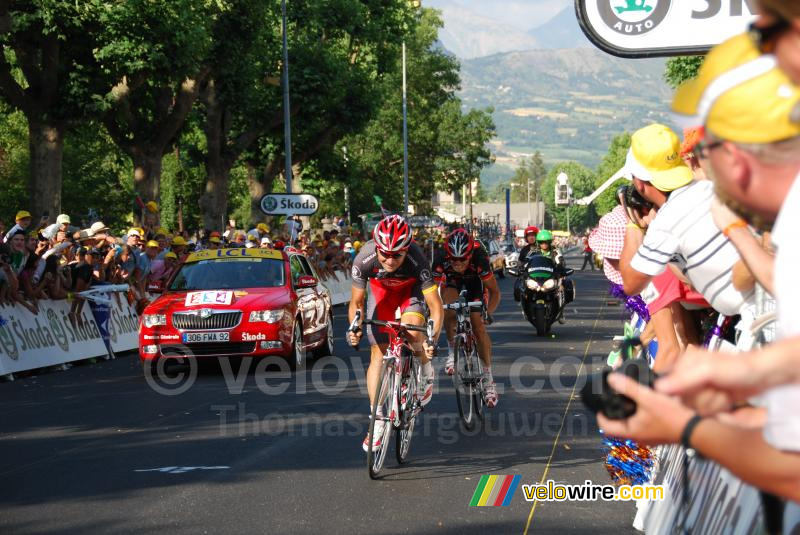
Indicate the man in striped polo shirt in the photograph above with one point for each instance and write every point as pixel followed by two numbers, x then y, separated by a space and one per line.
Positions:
pixel 682 232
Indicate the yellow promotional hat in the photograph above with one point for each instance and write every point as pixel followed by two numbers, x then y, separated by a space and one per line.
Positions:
pixel 654 157
pixel 22 214
pixel 152 243
pixel 740 95
pixel 178 240
pixel 171 255
pixel 215 239
pixel 152 207
pixel 262 227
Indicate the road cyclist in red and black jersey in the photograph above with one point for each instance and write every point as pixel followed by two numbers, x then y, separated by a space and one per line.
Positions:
pixel 465 266
pixel 390 273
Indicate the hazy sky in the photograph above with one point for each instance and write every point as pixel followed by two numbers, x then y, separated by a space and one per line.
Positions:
pixel 521 14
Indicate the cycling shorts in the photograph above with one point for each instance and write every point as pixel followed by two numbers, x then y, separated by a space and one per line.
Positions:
pixel 383 302
pixel 473 285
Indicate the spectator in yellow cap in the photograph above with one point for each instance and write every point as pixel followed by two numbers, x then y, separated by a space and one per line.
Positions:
pixel 145 262
pixel 214 242
pixel 178 246
pixel 679 224
pixel 23 221
pixel 152 207
pixel 752 147
pixel 161 270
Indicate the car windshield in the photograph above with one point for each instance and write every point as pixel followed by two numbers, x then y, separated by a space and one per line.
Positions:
pixel 229 274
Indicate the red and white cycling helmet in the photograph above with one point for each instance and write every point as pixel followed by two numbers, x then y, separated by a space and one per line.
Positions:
pixel 459 244
pixel 531 230
pixel 392 234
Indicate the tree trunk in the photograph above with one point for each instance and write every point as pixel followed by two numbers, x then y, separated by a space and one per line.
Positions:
pixel 46 143
pixel 257 189
pixel 214 202
pixel 261 185
pixel 147 173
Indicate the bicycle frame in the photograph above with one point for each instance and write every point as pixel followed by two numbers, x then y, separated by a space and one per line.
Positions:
pixel 400 354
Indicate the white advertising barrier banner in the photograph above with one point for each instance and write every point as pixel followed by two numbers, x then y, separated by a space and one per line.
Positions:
pixel 123 326
pixel 719 503
pixel 339 287
pixel 29 341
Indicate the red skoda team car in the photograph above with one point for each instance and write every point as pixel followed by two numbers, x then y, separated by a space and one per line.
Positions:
pixel 239 302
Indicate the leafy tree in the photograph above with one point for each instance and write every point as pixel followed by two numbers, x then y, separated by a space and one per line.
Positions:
pixel 682 68
pixel 14 163
pixel 339 52
pixel 45 55
pixel 611 163
pixel 153 56
pixel 240 100
pixel 97 178
pixel 581 180
pixel 446 146
pixel 530 171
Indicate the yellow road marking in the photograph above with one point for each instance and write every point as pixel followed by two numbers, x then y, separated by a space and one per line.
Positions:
pixel 564 418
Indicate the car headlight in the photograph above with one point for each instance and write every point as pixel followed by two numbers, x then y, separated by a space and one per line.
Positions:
pixel 154 320
pixel 531 284
pixel 266 316
pixel 549 284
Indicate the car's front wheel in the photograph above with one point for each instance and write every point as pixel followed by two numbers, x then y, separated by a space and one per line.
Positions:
pixel 297 358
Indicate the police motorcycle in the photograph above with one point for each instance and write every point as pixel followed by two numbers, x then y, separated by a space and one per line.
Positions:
pixel 543 289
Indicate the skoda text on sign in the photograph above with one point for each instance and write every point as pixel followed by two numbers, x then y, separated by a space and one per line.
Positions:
pixel 647 28
pixel 289 204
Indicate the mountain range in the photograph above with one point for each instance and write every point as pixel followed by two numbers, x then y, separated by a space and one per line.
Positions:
pixel 551 90
pixel 468 34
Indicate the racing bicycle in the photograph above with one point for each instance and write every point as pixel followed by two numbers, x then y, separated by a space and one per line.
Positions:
pixel 398 398
pixel 468 371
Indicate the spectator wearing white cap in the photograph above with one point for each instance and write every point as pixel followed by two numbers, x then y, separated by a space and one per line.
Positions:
pixel 62 223
pixel 266 242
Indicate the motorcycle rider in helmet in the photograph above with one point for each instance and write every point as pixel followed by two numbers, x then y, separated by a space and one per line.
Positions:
pixel 530 247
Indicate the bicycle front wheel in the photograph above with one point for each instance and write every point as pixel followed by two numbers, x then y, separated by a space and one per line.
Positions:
pixel 464 383
pixel 380 434
pixel 409 400
pixel 477 397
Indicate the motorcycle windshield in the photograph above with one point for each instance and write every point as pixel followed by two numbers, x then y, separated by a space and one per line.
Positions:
pixel 540 267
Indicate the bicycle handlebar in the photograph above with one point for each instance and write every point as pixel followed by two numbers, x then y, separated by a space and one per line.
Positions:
pixel 458 304
pixel 355 326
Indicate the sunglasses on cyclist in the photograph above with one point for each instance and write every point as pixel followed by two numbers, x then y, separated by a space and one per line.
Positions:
pixel 458 260
pixel 764 37
pixel 388 255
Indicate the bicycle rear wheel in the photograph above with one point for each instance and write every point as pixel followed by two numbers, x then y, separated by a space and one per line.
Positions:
pixel 381 411
pixel 464 383
pixel 409 400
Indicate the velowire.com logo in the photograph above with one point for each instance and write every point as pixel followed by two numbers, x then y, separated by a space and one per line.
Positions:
pixel 495 491
pixel 633 17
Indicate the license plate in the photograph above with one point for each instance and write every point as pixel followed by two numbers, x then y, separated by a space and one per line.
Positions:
pixel 193 338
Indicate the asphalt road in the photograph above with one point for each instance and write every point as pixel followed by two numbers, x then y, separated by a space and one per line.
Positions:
pixel 98 449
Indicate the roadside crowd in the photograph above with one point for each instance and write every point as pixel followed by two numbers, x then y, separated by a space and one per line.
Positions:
pixel 57 260
pixel 703 235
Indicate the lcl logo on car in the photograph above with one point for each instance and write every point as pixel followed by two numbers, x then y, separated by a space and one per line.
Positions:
pixel 633 17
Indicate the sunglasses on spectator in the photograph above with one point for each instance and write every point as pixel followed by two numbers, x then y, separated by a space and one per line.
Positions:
pixel 388 255
pixel 764 37
pixel 704 147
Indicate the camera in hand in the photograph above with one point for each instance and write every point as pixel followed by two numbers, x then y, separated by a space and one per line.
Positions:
pixel 598 396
